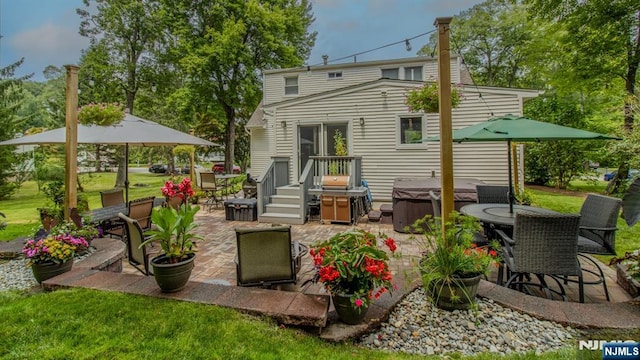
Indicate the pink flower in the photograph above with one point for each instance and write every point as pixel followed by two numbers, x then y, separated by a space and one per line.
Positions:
pixel 358 302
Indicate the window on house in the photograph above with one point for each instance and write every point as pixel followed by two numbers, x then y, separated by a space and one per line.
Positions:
pixel 291 85
pixel 411 130
pixel 334 75
pixel 413 73
pixel 391 73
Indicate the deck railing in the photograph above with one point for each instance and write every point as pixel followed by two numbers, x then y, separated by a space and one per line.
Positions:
pixel 337 165
pixel 276 174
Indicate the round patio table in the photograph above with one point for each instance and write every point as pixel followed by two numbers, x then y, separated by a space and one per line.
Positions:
pixel 499 214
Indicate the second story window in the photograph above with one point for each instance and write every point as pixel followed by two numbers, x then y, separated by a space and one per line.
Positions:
pixel 335 75
pixel 413 73
pixel 291 85
pixel 391 73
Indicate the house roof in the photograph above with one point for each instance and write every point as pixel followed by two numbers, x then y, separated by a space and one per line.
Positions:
pixel 256 119
pixel 340 66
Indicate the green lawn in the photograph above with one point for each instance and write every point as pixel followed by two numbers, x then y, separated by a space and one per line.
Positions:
pixel 88 324
pixel 22 214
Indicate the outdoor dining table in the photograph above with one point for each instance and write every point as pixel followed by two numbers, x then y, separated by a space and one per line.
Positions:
pixel 499 214
pixel 110 213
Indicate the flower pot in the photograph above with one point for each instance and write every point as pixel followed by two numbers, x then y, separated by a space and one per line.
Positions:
pixel 172 277
pixel 459 294
pixel 347 312
pixel 174 201
pixel 47 270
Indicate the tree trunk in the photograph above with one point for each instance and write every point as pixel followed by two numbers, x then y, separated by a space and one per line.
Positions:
pixel 230 137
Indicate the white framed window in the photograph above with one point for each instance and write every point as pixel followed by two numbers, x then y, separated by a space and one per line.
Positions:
pixel 393 73
pixel 334 75
pixel 413 73
pixel 291 85
pixel 411 131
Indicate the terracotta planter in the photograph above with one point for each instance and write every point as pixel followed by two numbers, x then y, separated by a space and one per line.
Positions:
pixel 458 295
pixel 172 277
pixel 47 270
pixel 348 313
pixel 175 202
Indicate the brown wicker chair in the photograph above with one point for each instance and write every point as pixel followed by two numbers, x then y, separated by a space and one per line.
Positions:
pixel 209 185
pixel 543 245
pixel 112 197
pixel 267 256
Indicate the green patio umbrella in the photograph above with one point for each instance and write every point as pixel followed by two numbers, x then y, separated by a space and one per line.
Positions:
pixel 517 128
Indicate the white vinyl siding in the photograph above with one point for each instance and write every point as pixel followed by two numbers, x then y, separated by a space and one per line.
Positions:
pixel 315 80
pixel 376 141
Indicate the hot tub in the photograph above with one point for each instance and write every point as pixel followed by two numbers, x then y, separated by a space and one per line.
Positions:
pixel 411 199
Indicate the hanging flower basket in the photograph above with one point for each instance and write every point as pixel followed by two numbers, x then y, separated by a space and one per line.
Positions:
pixel 101 114
pixel 425 98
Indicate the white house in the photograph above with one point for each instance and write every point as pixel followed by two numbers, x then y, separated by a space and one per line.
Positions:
pixel 303 107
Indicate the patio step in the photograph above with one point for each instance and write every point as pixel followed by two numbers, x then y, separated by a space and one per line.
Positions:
pixel 280 218
pixel 286 307
pixel 283 208
pixel 285 199
pixel 290 190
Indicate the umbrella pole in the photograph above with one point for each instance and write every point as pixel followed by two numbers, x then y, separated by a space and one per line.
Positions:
pixel 126 173
pixel 510 182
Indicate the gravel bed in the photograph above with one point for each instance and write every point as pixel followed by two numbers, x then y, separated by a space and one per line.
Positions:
pixel 16 275
pixel 416 326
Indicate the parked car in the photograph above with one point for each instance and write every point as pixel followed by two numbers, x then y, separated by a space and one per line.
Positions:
pixel 632 174
pixel 158 169
pixel 218 168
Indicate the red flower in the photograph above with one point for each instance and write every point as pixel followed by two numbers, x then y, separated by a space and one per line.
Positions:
pixel 391 243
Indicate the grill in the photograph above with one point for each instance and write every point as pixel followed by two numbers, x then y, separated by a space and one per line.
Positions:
pixel 335 182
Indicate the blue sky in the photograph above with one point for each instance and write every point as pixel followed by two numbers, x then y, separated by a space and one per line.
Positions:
pixel 45 32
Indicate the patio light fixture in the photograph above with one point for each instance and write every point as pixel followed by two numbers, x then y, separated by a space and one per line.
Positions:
pixel 361 121
pixel 283 124
pixel 407 44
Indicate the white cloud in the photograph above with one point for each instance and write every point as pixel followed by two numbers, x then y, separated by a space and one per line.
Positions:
pixel 48 44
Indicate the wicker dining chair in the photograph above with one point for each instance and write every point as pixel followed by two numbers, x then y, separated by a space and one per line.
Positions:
pixel 543 245
pixel 267 256
pixel 209 185
pixel 599 215
pixel 492 194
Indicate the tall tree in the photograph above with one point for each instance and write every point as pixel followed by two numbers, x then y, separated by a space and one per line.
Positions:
pixel 10 101
pixel 602 37
pixel 126 31
pixel 223 46
pixel 493 37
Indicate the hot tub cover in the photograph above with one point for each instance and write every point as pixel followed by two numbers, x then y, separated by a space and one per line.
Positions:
pixel 464 189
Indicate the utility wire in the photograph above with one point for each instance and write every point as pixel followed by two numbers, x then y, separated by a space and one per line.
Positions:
pixel 405 40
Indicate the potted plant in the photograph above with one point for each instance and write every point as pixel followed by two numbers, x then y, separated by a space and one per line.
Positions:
pixel 452 264
pixel 425 98
pixel 86 232
pixel 52 255
pixel 628 272
pixel 174 232
pixel 353 270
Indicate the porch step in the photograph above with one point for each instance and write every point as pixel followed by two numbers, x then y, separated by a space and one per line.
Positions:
pixel 283 208
pixel 289 190
pixel 280 218
pixel 285 199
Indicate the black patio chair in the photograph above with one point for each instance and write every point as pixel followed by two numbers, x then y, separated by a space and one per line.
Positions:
pixel 599 216
pixel 543 245
pixel 492 194
pixel 267 256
